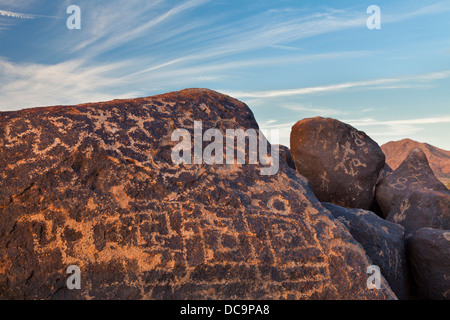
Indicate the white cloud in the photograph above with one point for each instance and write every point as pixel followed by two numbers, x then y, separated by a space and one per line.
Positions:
pixel 377 83
pixel 30 85
pixel 17 15
pixel 372 122
pixel 385 130
pixel 377 129
pixel 439 7
pixel 117 23
pixel 309 108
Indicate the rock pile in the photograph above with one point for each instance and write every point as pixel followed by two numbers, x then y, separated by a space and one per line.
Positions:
pixel 95 186
pixel 339 161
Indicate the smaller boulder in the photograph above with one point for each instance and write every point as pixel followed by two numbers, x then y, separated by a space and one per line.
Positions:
pixel 413 174
pixel 428 252
pixel 383 242
pixel 422 209
pixel 341 162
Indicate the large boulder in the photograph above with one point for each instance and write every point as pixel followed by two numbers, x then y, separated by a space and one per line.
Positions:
pixel 428 252
pixel 413 174
pixel 383 242
pixel 95 186
pixel 341 162
pixel 423 208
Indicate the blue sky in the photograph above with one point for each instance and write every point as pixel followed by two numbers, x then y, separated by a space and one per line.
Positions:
pixel 288 60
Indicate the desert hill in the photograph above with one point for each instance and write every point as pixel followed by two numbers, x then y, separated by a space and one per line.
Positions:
pixel 439 159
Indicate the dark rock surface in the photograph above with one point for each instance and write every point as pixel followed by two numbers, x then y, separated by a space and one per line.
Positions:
pixel 423 209
pixel 387 170
pixel 341 162
pixel 413 174
pixel 285 154
pixel 383 242
pixel 94 185
pixel 429 255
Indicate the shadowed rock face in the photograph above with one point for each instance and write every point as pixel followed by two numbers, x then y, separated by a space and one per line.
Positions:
pixel 387 170
pixel 382 240
pixel 94 186
pixel 285 154
pixel 429 255
pixel 341 162
pixel 413 174
pixel 423 208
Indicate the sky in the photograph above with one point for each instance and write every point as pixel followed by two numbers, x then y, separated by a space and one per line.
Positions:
pixel 287 60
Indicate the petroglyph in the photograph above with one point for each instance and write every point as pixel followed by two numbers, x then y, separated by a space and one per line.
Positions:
pixel 349 161
pixel 94 186
pixel 344 170
pixel 358 138
pixel 400 183
pixel 400 216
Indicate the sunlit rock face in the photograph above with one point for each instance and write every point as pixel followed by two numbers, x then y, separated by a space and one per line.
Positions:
pixel 94 186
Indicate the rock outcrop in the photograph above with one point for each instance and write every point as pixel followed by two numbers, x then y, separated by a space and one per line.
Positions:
pixel 413 174
pixel 341 162
pixel 423 209
pixel 383 242
pixel 94 186
pixel 429 255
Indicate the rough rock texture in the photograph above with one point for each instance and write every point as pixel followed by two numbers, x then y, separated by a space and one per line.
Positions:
pixel 341 162
pixel 439 159
pixel 383 242
pixel 285 154
pixel 94 186
pixel 421 209
pixel 387 170
pixel 429 255
pixel 413 174
pixel 383 174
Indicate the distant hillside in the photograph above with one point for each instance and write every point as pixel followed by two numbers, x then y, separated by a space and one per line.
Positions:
pixel 397 151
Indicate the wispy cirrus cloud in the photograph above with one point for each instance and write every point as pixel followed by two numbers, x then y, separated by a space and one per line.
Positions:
pixel 365 122
pixel 132 23
pixel 375 83
pixel 439 7
pixel 385 130
pixel 25 85
pixel 375 128
pixel 17 15
pixel 111 28
pixel 142 26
